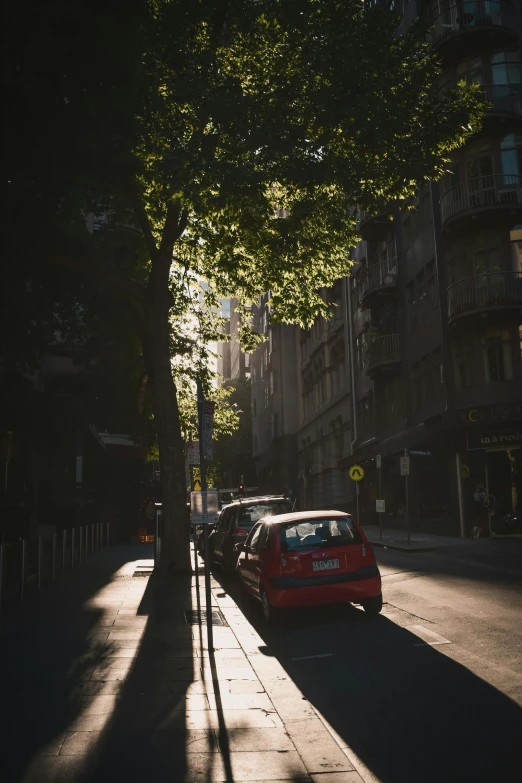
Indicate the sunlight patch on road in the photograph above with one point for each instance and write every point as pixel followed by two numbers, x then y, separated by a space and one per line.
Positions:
pixel 433 639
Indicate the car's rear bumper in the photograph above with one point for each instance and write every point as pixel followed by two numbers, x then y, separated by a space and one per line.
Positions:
pixel 286 592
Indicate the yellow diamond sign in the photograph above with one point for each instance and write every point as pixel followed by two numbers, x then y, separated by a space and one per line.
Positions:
pixel 356 472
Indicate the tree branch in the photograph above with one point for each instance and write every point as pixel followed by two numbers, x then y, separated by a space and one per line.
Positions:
pixel 143 219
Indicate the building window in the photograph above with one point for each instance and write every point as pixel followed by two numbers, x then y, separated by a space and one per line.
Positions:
pixel 506 69
pixel 464 352
pixel 511 156
pixel 497 356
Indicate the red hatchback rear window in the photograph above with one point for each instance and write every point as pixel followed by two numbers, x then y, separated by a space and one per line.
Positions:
pixel 318 533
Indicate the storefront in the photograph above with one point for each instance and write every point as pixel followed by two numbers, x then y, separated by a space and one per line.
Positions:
pixel 490 460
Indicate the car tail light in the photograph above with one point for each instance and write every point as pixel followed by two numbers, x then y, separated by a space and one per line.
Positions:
pixel 363 550
pixel 241 532
pixel 283 561
pixel 366 550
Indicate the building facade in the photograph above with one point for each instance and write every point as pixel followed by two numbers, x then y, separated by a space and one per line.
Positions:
pixel 324 435
pixel 423 354
pixel 436 306
pixel 274 404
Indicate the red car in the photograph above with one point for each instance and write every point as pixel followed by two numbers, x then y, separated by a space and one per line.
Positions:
pixel 309 558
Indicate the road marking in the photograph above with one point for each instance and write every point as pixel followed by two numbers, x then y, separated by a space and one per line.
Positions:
pixel 309 657
pixel 419 630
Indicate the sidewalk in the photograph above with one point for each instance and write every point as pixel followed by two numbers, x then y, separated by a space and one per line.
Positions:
pixel 107 681
pixel 419 542
pixel 500 554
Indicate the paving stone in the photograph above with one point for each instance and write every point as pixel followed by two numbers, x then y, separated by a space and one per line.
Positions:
pixel 107 665
pixel 268 668
pixel 337 777
pixel 110 674
pixel 246 686
pixel 89 722
pixel 233 719
pixel 78 743
pixel 99 704
pixel 57 769
pixel 241 701
pixel 317 748
pixel 125 634
pixel 53 747
pixel 292 707
pixel 226 663
pixel 192 740
pixel 252 766
pixel 254 739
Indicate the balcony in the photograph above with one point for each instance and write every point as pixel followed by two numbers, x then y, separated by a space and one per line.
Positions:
pixel 481 293
pixel 381 354
pixel 379 281
pixel 506 101
pixel 494 193
pixel 374 226
pixel 470 25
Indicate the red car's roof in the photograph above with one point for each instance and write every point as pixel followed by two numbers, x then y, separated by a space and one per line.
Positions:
pixel 303 516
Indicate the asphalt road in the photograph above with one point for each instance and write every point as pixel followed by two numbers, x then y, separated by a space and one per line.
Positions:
pixel 431 690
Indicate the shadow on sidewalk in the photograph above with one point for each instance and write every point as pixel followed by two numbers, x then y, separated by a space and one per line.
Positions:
pixel 46 654
pixel 408 711
pixel 145 736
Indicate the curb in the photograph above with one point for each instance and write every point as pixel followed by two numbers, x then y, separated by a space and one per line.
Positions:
pixel 405 548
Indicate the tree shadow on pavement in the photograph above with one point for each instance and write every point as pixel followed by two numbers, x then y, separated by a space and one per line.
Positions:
pixel 409 711
pixel 47 652
pixel 146 736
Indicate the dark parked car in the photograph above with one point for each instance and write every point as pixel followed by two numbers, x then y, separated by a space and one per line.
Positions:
pixel 235 523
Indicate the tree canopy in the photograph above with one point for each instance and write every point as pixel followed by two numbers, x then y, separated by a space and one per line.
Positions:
pixel 231 138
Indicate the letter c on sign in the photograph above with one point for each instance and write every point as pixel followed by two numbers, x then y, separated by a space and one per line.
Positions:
pixel 473 415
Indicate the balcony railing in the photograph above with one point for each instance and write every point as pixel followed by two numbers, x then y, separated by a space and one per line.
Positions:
pixel 472 15
pixel 381 351
pixel 494 190
pixel 505 99
pixel 378 276
pixel 493 290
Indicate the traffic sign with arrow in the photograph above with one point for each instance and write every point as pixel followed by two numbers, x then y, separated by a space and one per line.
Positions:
pixel 356 473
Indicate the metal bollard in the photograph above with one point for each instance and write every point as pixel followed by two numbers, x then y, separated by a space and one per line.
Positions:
pixel 39 562
pixel 80 531
pixel 72 546
pixel 1 572
pixel 93 542
pixel 64 546
pixel 53 557
pixel 97 537
pixel 22 586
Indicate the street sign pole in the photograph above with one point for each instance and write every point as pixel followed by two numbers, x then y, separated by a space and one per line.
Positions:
pixel 406 475
pixel 379 467
pixel 357 501
pixel 203 476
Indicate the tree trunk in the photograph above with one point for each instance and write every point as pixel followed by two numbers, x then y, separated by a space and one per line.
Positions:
pixel 176 539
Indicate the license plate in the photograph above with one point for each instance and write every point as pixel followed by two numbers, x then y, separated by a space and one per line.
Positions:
pixel 325 565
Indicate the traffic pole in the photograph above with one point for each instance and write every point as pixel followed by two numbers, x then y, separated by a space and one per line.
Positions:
pixel 406 488
pixel 203 476
pixel 379 466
